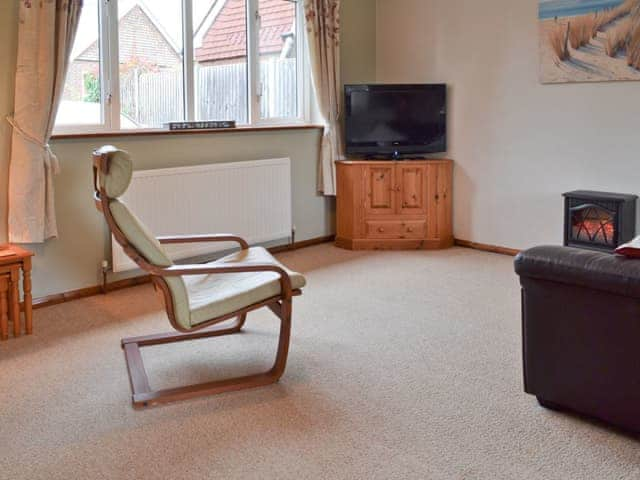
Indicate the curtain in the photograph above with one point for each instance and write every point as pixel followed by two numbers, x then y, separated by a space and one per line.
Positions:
pixel 46 32
pixel 323 26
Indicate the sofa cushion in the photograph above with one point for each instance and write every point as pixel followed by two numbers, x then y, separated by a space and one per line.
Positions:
pixel 585 268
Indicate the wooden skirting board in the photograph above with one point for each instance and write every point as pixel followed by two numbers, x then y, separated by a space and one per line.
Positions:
pixel 57 298
pixel 486 248
pixel 304 244
pixel 132 282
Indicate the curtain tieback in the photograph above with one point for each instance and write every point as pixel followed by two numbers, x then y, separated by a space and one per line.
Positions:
pixel 50 159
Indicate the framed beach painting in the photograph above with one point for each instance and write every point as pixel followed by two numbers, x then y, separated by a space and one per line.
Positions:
pixel 589 40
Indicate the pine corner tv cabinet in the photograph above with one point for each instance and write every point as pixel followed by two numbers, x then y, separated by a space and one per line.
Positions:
pixel 394 205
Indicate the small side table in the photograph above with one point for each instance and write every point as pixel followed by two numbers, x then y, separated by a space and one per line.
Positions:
pixel 13 259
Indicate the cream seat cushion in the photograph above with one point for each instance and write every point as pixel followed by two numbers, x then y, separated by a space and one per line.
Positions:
pixel 116 182
pixel 196 298
pixel 150 248
pixel 215 295
pixel 200 298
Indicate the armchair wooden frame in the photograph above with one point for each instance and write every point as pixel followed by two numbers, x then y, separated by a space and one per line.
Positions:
pixel 281 305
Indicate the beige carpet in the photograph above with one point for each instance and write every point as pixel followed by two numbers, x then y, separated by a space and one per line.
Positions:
pixel 404 365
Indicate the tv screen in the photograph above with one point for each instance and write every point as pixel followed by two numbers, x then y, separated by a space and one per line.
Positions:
pixel 394 120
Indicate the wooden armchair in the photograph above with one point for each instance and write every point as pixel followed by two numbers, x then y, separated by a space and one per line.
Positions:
pixel 197 297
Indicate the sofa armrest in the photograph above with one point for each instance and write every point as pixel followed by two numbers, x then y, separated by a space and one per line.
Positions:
pixel 595 270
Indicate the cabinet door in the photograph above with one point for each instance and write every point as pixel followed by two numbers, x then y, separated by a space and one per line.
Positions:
pixel 380 190
pixel 412 192
pixel 445 202
pixel 439 204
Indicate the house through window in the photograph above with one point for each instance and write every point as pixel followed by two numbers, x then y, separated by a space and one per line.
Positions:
pixel 175 60
pixel 221 62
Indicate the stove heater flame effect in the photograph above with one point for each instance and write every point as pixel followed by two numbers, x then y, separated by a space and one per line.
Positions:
pixel 594 227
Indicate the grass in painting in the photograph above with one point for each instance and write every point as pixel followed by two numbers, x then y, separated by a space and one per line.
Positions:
pixel 581 30
pixel 617 37
pixel 578 32
pixel 626 36
pixel 608 16
pixel 633 40
pixel 559 40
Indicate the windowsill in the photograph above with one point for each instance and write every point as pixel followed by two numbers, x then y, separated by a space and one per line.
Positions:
pixel 161 131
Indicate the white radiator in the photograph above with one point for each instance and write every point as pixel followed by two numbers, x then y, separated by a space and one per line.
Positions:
pixel 249 199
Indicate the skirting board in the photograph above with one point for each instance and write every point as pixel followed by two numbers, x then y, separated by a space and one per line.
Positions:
pixel 57 298
pixel 132 282
pixel 49 300
pixel 512 252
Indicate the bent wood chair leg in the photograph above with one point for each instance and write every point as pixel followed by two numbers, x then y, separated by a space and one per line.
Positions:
pixel 144 396
pixel 283 342
pixel 241 321
pixel 173 337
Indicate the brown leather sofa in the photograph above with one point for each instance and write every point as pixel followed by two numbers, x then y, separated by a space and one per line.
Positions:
pixel 581 332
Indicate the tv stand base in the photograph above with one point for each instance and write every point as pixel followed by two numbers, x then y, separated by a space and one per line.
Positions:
pixel 394 205
pixel 395 244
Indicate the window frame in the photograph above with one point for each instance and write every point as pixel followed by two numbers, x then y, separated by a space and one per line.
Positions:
pixel 108 42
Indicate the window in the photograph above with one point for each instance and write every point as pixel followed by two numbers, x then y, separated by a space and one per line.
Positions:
pixel 220 57
pixel 139 64
pixel 277 42
pixel 82 96
pixel 151 64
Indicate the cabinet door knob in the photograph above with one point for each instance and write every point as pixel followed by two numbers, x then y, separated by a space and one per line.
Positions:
pixel 410 229
pixel 381 230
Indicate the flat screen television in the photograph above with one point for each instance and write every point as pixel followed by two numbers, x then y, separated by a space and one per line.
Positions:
pixel 395 120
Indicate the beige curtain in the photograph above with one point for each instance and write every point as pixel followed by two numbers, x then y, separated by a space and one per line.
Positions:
pixel 323 27
pixel 45 38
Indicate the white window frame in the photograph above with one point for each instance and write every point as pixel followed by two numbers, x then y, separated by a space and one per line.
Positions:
pixel 110 71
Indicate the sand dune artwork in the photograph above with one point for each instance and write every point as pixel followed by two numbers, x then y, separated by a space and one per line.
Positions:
pixel 589 40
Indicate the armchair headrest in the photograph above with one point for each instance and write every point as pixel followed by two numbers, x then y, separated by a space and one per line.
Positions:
pixel 114 170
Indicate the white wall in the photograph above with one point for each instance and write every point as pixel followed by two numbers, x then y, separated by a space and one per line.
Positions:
pixel 518 145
